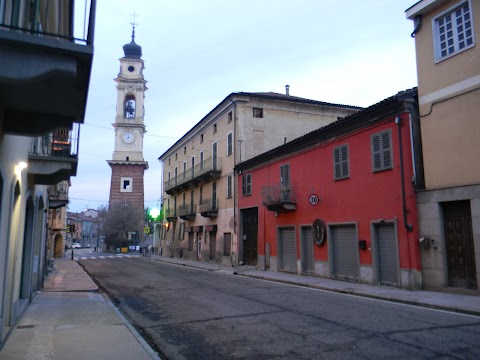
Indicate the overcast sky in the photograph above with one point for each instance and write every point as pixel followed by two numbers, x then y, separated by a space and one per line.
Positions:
pixel 197 52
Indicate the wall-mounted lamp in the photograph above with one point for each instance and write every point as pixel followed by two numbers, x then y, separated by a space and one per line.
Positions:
pixel 19 167
pixel 167 225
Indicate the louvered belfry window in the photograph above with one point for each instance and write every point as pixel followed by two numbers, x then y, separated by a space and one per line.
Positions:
pixel 382 151
pixel 341 163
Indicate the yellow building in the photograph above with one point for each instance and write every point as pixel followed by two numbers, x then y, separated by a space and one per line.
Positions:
pixel 448 67
pixel 200 188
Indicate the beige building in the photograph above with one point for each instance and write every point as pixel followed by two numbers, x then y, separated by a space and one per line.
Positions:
pixel 448 67
pixel 199 195
pixel 44 81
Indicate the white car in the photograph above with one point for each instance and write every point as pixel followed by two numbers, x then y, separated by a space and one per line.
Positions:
pixel 76 246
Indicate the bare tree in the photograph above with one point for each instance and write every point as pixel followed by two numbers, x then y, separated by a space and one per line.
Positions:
pixel 118 220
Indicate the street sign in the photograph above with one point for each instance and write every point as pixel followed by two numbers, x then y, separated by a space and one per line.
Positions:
pixel 146 229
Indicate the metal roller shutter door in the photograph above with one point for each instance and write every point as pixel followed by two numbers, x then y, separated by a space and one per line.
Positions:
pixel 387 254
pixel 288 250
pixel 345 252
pixel 307 248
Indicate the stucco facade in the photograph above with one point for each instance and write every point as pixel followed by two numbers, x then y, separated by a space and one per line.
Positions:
pixel 448 91
pixel 369 230
pixel 201 164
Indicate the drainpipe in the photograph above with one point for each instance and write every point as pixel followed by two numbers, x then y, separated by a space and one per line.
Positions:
pixel 408 226
pixel 234 164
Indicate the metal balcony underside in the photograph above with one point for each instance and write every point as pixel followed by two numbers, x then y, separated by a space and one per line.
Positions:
pixel 44 74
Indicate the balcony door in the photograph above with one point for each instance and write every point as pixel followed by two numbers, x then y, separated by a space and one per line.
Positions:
pixel 214 156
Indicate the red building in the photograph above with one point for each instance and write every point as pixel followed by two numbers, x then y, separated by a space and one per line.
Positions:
pixel 340 201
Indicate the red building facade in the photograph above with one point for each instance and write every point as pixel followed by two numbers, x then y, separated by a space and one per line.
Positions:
pixel 340 201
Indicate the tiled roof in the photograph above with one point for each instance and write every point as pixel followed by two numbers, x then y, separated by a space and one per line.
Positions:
pixel 303 141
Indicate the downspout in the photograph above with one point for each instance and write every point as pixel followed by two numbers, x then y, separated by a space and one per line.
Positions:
pixel 408 226
pixel 234 164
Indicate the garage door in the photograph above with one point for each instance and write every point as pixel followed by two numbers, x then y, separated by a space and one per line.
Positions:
pixel 345 252
pixel 287 249
pixel 387 254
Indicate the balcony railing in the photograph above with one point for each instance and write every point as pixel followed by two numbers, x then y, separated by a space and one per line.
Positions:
pixel 53 157
pixel 58 195
pixel 279 197
pixel 171 214
pixel 209 207
pixel 60 143
pixel 187 212
pixel 207 170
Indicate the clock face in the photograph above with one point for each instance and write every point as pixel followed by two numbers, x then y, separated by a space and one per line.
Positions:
pixel 131 68
pixel 128 137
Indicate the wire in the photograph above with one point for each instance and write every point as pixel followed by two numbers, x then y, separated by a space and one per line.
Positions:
pixel 104 201
pixel 146 134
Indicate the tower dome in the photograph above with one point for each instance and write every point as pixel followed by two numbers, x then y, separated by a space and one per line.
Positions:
pixel 132 50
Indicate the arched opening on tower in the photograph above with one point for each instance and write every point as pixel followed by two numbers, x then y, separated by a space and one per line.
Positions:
pixel 130 107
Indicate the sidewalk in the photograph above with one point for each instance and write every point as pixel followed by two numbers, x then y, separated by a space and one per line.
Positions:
pixel 466 304
pixel 70 319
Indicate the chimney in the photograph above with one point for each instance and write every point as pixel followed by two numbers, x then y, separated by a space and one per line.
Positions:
pixel 287 90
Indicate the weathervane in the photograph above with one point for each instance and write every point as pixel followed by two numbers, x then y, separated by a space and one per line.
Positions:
pixel 133 25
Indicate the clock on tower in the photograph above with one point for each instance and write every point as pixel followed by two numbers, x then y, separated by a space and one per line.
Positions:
pixel 127 164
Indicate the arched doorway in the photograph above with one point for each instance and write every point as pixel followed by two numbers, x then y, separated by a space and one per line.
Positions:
pixel 27 251
pixel 58 246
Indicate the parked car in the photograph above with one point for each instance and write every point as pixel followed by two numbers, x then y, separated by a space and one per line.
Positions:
pixel 88 245
pixel 76 246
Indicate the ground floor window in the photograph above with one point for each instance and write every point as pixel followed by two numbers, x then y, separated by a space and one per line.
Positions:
pixel 227 244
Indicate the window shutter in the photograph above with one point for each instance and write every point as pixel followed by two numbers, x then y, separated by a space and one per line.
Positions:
pixel 387 153
pixel 285 175
pixel 338 168
pixel 344 160
pixel 244 185
pixel 377 160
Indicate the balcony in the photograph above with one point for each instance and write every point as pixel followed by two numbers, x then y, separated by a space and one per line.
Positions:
pixel 209 208
pixel 53 158
pixel 187 212
pixel 171 214
pixel 45 64
pixel 280 198
pixel 208 170
pixel 58 195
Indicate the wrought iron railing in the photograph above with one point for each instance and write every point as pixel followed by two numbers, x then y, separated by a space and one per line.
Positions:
pixel 170 213
pixel 59 143
pixel 208 205
pixel 185 210
pixel 58 191
pixel 74 21
pixel 278 194
pixel 210 164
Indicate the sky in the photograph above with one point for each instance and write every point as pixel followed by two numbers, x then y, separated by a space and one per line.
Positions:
pixel 198 52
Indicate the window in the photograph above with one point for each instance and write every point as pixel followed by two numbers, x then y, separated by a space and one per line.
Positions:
pixel 168 161
pixel 214 128
pixel 175 206
pixel 382 151
pixel 214 195
pixel 184 169
pixel 247 184
pixel 230 117
pixel 192 194
pixel 201 159
pixel 184 150
pixel 182 231
pixel 201 138
pixel 201 194
pixel 126 184
pixel 229 186
pixel 176 156
pixel 340 162
pixel 453 31
pixel 184 195
pixel 227 244
pixel 285 175
pixel 230 143
pixel 257 112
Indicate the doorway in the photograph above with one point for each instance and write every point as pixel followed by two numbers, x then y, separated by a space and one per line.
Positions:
pixel 459 244
pixel 250 235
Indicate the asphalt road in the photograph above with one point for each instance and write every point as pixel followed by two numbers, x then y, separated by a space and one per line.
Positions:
pixel 187 313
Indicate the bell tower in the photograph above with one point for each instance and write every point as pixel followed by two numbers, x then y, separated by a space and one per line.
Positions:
pixel 127 164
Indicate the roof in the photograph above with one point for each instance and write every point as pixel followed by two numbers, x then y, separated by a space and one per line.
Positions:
pixel 132 50
pixel 264 95
pixel 376 112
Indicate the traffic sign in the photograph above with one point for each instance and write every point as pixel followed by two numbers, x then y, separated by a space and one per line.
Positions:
pixel 146 229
